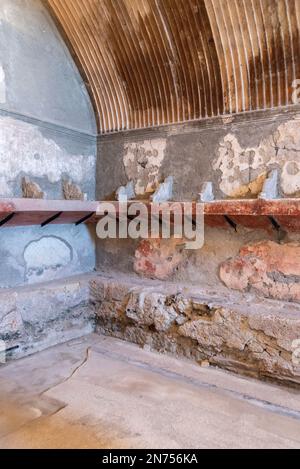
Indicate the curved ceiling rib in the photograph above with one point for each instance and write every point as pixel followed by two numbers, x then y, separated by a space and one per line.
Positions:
pixel 153 62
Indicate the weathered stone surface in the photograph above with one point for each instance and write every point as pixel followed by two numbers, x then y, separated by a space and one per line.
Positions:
pixel 152 309
pixel 24 148
pixel 237 332
pixel 31 190
pixel 158 258
pixel 72 191
pixel 244 335
pixel 244 170
pixel 142 163
pixel 48 303
pixel 268 268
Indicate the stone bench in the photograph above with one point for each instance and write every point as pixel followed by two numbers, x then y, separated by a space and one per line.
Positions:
pixel 236 331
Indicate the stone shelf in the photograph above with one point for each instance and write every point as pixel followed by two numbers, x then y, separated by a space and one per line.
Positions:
pixel 255 213
pixel 22 212
pixel 280 214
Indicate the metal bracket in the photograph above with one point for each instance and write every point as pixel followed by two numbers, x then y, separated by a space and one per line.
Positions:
pixel 275 223
pixel 82 220
pixel 231 222
pixel 7 219
pixel 281 234
pixel 51 219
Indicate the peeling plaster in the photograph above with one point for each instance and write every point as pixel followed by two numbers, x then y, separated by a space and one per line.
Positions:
pixel 267 268
pixel 142 162
pixel 251 335
pixel 2 86
pixel 23 149
pixel 244 170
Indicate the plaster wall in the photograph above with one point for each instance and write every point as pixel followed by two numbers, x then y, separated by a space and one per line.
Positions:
pixel 237 154
pixel 47 133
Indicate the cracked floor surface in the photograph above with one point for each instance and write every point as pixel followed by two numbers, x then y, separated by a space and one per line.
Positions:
pixel 99 392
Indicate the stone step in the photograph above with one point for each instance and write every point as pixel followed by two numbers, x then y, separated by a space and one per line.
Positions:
pixel 235 331
pixel 238 332
pixel 35 317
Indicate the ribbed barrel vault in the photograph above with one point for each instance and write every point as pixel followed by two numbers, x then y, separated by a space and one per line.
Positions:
pixel 152 62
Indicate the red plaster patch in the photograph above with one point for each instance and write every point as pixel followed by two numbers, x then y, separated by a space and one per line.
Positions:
pixel 268 268
pixel 158 258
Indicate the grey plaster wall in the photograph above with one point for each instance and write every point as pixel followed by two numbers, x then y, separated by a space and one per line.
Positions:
pixel 47 133
pixel 38 75
pixel 47 156
pixel 238 149
pixel 35 254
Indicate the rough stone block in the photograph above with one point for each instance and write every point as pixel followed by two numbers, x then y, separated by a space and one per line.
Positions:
pixel 72 191
pixel 45 304
pixel 239 333
pixel 31 190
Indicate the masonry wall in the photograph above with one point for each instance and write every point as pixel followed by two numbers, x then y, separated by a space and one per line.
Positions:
pixel 47 133
pixel 235 302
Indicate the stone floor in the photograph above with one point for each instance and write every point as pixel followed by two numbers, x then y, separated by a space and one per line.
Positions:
pixel 99 392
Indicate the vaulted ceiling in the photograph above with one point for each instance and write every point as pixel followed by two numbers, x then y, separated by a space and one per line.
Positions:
pixel 152 62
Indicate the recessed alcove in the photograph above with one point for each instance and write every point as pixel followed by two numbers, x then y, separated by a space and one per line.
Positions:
pixel 115 108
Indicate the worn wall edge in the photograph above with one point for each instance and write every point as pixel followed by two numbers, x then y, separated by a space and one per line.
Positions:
pixel 194 126
pixel 74 133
